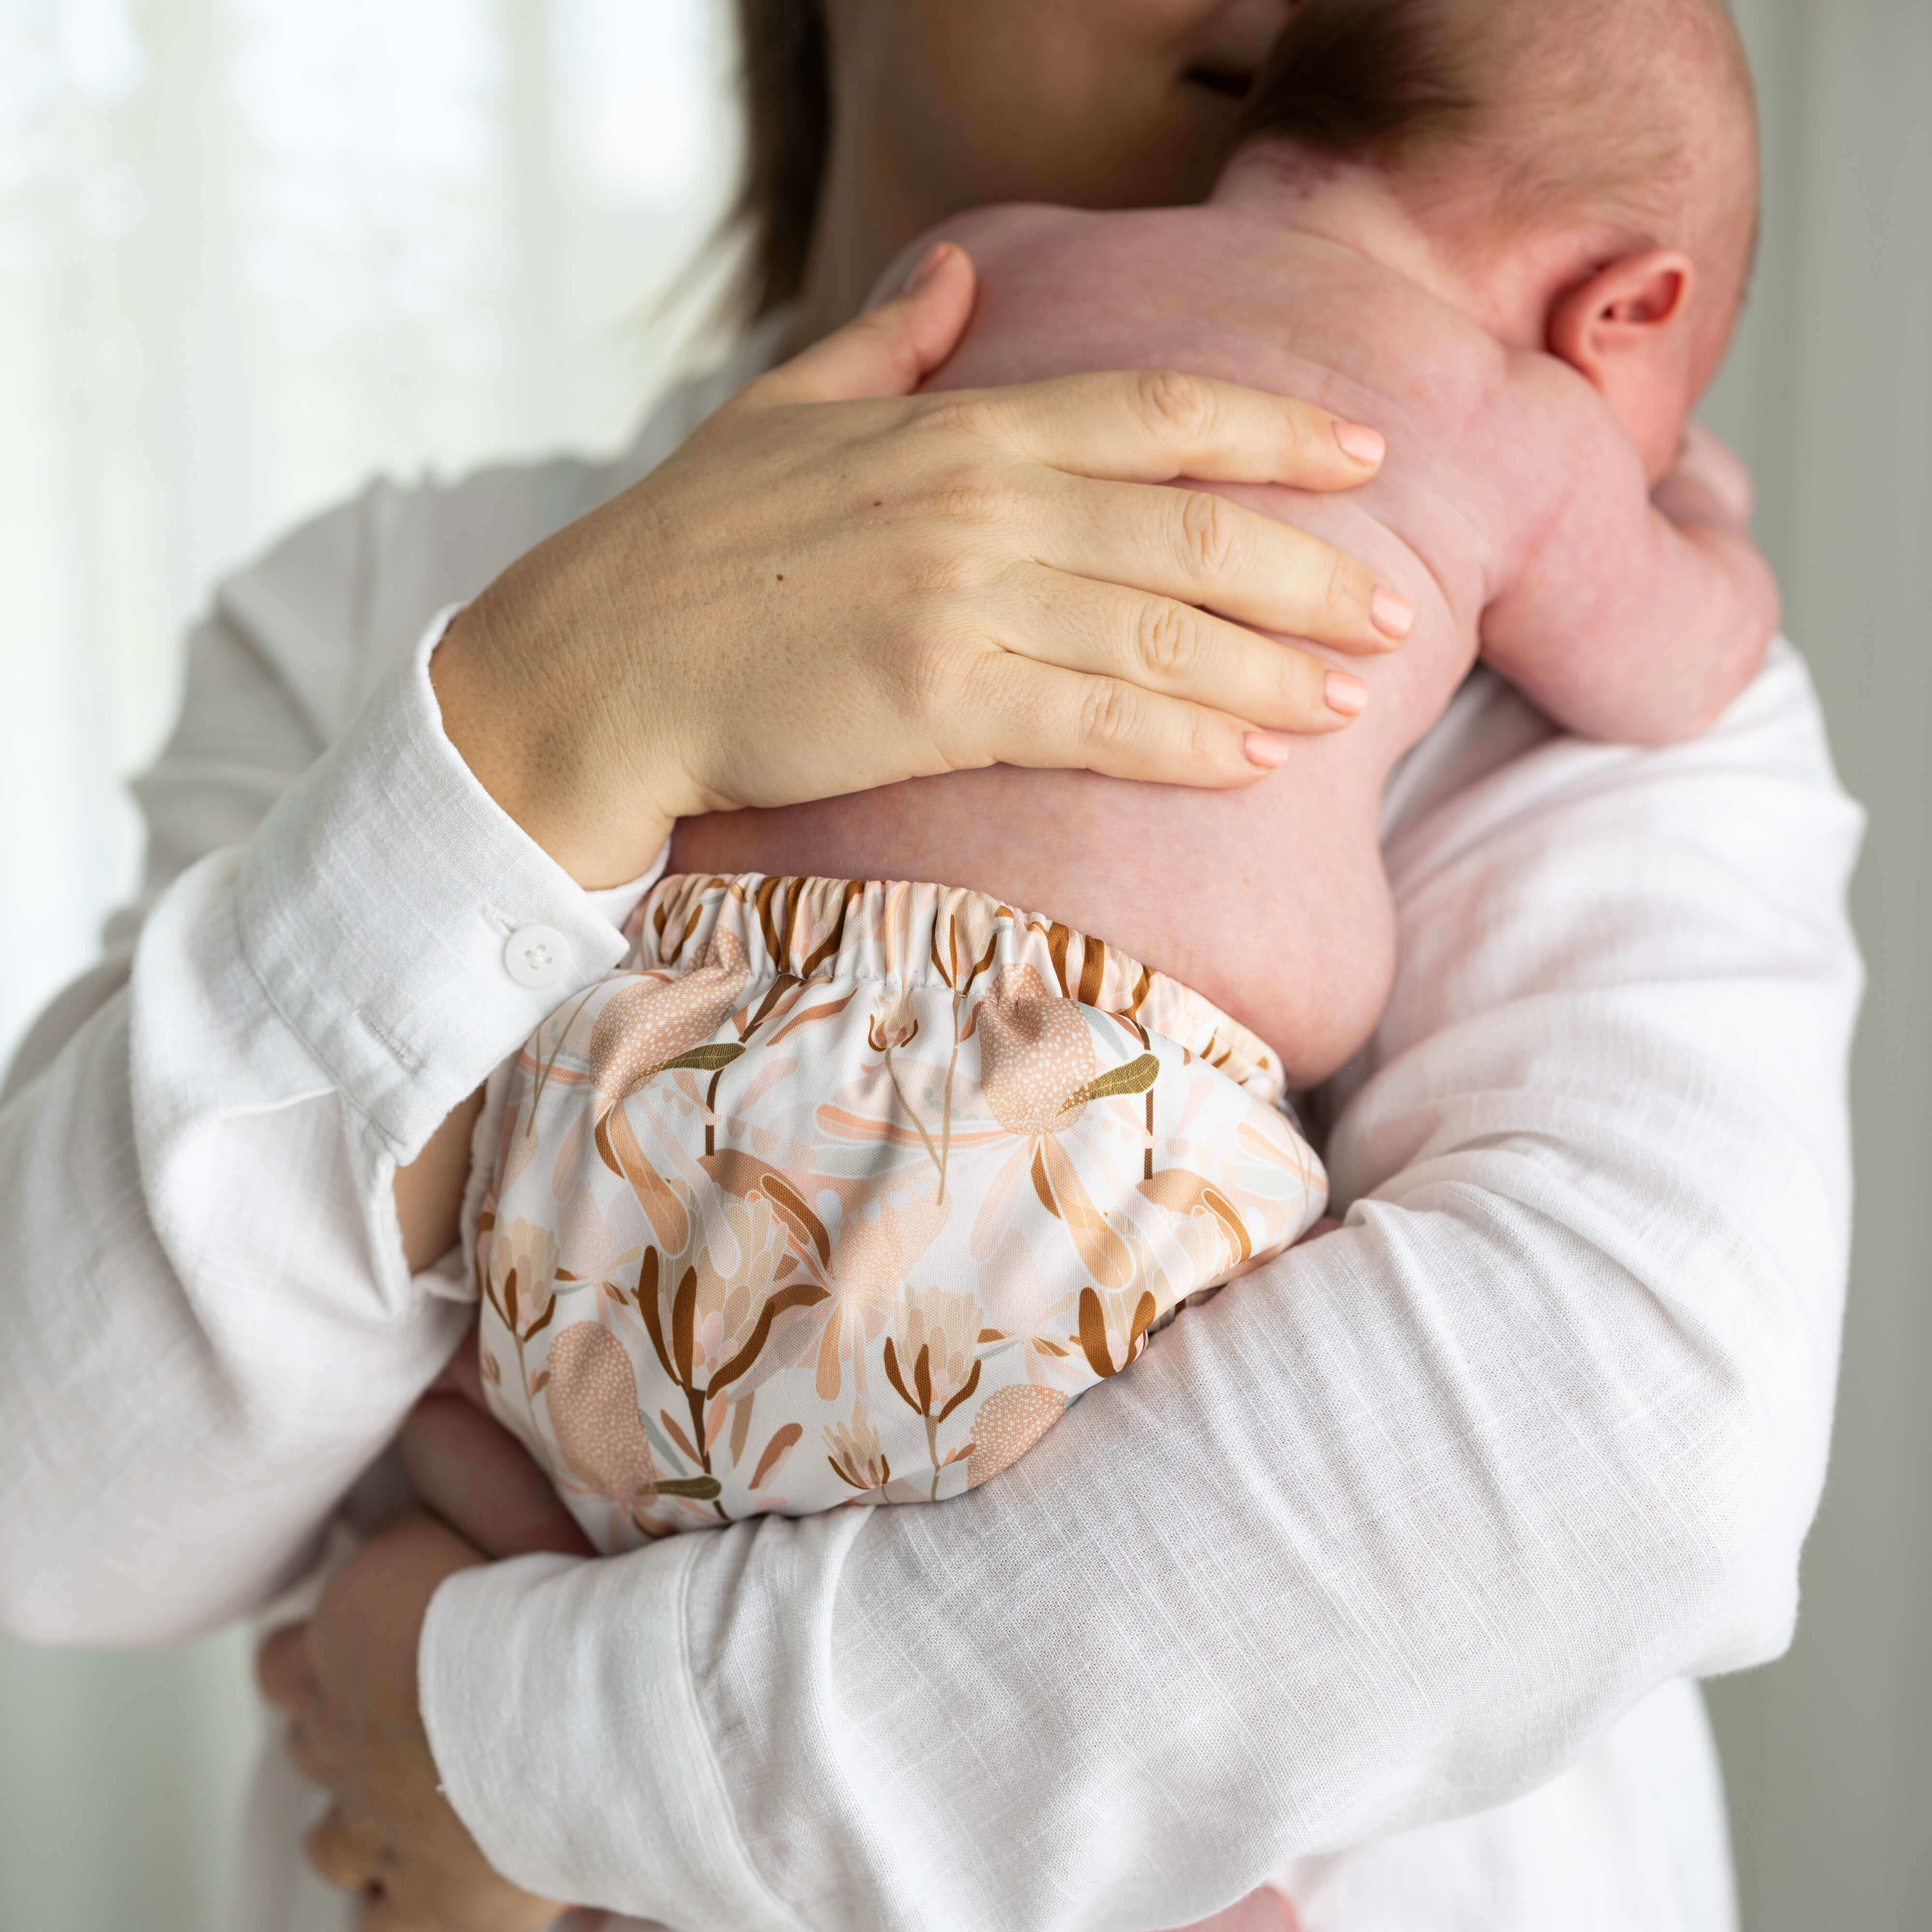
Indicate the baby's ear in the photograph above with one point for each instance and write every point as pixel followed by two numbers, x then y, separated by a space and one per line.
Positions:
pixel 1628 328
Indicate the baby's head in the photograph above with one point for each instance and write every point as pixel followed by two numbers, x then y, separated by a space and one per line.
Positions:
pixel 1585 171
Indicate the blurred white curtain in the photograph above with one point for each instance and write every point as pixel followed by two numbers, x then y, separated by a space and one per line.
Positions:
pixel 251 251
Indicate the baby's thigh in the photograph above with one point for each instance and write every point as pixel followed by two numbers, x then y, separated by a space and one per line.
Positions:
pixel 467 1468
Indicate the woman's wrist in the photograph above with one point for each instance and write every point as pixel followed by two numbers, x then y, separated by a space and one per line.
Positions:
pixel 549 763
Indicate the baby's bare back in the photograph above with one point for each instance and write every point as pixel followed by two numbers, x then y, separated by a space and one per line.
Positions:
pixel 1270 901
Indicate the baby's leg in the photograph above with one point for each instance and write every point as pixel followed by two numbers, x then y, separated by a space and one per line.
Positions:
pixel 471 1471
pixel 464 1465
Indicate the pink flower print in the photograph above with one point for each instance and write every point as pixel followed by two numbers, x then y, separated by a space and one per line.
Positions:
pixel 522 1277
pixel 729 1305
pixel 853 1450
pixel 877 1252
pixel 943 1325
pixel 895 1022
pixel 868 1268
pixel 1037 1055
pixel 649 1022
pixel 1008 1423
pixel 932 1359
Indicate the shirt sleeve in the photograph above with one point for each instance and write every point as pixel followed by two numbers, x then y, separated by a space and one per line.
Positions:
pixel 210 1327
pixel 1387 1531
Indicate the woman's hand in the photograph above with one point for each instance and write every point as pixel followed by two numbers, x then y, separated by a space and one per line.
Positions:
pixel 347 1681
pixel 819 594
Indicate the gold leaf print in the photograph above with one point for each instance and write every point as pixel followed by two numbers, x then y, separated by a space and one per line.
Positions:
pixel 1136 1077
pixel 713 1059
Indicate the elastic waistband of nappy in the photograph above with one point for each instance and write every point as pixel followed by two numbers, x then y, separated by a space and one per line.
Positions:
pixel 923 938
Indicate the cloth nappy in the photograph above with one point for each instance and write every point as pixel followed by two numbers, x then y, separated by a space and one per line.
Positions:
pixel 839 1192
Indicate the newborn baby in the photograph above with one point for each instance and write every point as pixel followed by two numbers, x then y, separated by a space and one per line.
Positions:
pixel 845 1185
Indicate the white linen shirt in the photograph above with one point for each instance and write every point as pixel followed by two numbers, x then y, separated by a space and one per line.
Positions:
pixel 1382 1574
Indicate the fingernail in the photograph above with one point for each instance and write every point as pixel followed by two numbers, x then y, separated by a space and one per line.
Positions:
pixel 928 266
pixel 1270 754
pixel 1361 443
pixel 1348 695
pixel 1391 613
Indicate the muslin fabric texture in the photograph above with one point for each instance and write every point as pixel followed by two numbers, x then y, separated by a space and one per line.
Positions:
pixel 1470 1486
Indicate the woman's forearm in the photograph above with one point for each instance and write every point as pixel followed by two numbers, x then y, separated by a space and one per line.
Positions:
pixel 213 1328
pixel 1395 1525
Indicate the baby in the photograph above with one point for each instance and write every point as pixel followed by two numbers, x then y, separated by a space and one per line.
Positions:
pixel 843 1187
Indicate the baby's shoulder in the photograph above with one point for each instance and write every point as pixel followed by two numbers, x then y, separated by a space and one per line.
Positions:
pixel 1558 438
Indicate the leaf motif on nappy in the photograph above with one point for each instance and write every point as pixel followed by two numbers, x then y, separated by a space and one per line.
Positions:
pixel 789 1205
pixel 1099 1247
pixel 704 1059
pixel 1136 1077
pixel 1181 1192
pixel 780 1446
pixel 617 1144
pixel 1096 1341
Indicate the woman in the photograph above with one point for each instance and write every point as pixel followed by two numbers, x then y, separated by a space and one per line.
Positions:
pixel 1434 1512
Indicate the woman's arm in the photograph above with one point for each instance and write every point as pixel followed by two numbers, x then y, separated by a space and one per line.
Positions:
pixel 1388 1531
pixel 212 1326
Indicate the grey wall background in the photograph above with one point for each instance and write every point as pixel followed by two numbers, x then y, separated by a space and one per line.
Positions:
pixel 119 1776
pixel 1828 1753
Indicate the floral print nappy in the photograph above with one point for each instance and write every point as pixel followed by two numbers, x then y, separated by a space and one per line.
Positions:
pixel 837 1192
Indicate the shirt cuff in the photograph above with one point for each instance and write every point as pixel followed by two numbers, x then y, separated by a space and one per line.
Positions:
pixel 581 1764
pixel 402 924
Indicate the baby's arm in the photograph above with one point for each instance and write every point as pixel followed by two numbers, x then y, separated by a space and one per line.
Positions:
pixel 429 1191
pixel 1632 616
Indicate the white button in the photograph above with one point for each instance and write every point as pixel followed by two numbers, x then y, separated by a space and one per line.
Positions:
pixel 536 956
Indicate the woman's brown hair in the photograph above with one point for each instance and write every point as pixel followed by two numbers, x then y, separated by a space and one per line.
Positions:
pixel 787 95
pixel 1357 77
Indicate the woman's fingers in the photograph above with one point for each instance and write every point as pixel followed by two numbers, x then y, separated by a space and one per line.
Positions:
pixel 888 351
pixel 1168 648
pixel 316 1765
pixel 1025 712
pixel 348 1852
pixel 1204 549
pixel 1150 426
pixel 285 1668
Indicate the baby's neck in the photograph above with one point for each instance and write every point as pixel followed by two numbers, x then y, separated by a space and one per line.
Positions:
pixel 1355 205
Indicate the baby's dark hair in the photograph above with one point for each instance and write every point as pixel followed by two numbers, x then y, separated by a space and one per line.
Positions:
pixel 1519 110
pixel 1359 78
